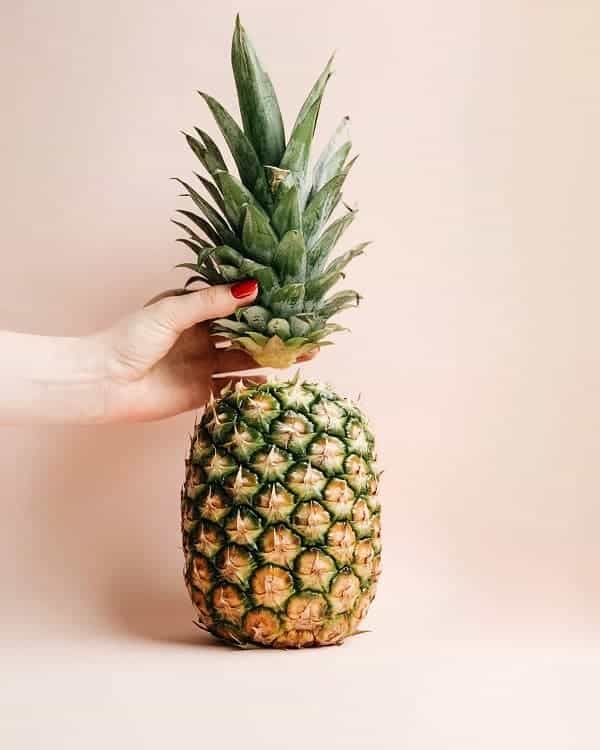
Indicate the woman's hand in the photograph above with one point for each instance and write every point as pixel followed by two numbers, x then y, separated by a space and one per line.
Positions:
pixel 155 363
pixel 161 360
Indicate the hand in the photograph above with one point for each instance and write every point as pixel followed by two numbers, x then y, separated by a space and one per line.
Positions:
pixel 161 360
pixel 153 364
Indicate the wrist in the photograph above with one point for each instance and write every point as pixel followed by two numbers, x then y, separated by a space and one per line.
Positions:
pixel 80 379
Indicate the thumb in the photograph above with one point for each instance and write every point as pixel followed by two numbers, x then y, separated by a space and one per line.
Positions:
pixel 181 312
pixel 145 337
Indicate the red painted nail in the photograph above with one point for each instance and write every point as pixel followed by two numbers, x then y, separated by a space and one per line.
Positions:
pixel 244 288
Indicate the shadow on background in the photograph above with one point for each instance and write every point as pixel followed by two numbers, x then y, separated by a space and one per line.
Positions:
pixel 106 545
pixel 154 615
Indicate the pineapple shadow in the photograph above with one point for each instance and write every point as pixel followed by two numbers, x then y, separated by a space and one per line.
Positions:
pixel 107 532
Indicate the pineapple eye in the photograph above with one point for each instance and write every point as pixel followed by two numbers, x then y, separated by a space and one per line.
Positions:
pixel 274 503
pixel 201 573
pixel 260 409
pixel 327 453
pixel 271 465
pixel 307 610
pixel 229 603
pixel 279 545
pixel 202 445
pixel 311 520
pixel 234 563
pixel 271 586
pixel 295 396
pixel 315 569
pixel 214 504
pixel 329 417
pixel 242 485
pixel 208 538
pixel 344 591
pixel 361 518
pixel 358 441
pixel 305 481
pixel 338 498
pixel 262 626
pixel 292 431
pixel 242 526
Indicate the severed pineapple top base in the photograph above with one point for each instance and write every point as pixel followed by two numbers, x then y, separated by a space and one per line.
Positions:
pixel 274 352
pixel 280 517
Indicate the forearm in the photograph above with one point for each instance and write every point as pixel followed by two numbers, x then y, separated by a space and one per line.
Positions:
pixel 45 379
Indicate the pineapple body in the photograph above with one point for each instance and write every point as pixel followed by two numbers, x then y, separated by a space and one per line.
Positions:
pixel 280 516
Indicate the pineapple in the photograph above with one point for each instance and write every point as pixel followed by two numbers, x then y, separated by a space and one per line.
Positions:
pixel 271 223
pixel 280 516
pixel 280 519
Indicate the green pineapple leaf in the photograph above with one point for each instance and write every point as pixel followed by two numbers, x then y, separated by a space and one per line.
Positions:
pixel 299 325
pixel 287 214
pixel 340 263
pixel 203 225
pixel 259 239
pixel 189 266
pixel 288 300
pixel 213 191
pixel 210 269
pixel 338 302
pixel 327 241
pixel 229 273
pixel 226 254
pixel 316 93
pixel 290 257
pixel 213 156
pixel 333 156
pixel 321 207
pixel 193 246
pixel 279 327
pixel 248 164
pixel 318 287
pixel 297 152
pixel 256 317
pixel 198 149
pixel 213 152
pixel 321 333
pixel 223 325
pixel 196 237
pixel 214 217
pixel 236 197
pixel 260 111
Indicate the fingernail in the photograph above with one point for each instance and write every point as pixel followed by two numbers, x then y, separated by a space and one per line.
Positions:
pixel 244 288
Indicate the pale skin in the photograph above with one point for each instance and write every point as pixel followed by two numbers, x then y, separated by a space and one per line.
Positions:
pixel 153 364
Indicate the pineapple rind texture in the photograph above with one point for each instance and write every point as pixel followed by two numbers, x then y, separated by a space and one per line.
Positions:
pixel 274 219
pixel 280 516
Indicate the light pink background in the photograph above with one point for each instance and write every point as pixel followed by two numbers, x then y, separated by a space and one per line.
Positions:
pixel 475 353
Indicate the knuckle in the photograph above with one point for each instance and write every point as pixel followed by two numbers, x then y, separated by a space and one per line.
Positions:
pixel 166 311
pixel 211 297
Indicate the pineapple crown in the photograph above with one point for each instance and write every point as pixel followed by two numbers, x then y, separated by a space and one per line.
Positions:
pixel 272 222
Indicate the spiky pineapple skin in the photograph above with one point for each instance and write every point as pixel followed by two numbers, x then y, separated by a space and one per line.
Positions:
pixel 280 516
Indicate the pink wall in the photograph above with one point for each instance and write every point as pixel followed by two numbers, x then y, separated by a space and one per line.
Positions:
pixel 475 352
